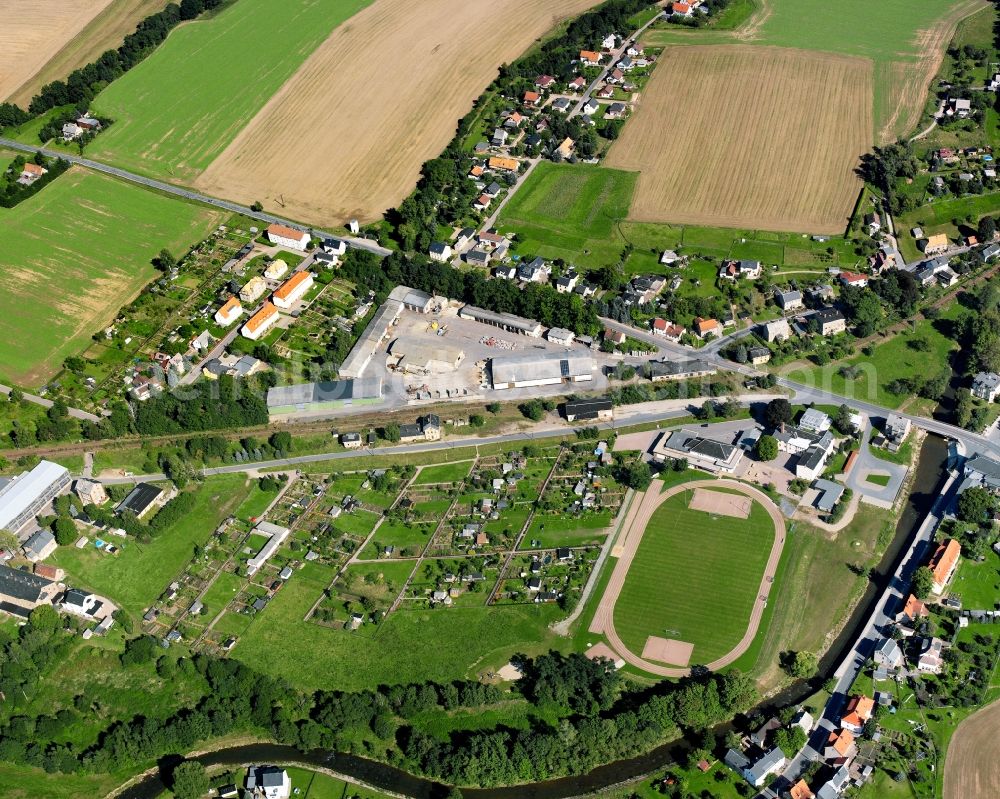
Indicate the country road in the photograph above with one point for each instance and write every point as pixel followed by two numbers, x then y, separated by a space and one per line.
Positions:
pixel 187 194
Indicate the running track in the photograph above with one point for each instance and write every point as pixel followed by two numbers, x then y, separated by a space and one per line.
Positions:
pixel 634 527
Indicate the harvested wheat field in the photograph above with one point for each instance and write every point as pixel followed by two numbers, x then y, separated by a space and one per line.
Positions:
pixel 106 30
pixel 971 768
pixel 347 135
pixel 35 30
pixel 746 136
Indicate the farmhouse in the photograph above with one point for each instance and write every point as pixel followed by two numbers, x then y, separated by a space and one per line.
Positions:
pixel 830 321
pixel 23 497
pixel 711 456
pixel 31 173
pixel 524 371
pixel 660 371
pixel 748 270
pixel 230 311
pixel 505 321
pixel 253 290
pixel 276 535
pixel 285 236
pixel 778 330
pixel 587 410
pixel 943 563
pixel 141 500
pixel 39 546
pixel 935 244
pixel 323 396
pixel 21 592
pixel 789 300
pixel 262 321
pixel 293 289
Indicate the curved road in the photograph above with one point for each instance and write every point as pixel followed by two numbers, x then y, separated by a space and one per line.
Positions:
pixel 187 194
pixel 634 527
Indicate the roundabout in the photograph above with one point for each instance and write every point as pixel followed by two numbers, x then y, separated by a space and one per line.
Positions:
pixel 696 563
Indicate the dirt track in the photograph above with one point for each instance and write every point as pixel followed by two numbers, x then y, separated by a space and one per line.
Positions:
pixel 971 767
pixel 634 527
pixel 347 134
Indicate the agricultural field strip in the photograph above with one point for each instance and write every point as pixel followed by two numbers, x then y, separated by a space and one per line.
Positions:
pixel 428 77
pixel 794 126
pixel 33 32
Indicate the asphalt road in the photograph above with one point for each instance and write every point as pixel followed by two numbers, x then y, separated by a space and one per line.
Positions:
pixel 187 194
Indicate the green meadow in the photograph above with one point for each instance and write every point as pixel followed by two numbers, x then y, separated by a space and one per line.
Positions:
pixel 72 255
pixel 694 578
pixel 178 109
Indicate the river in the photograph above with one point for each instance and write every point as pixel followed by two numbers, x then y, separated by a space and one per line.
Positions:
pixel 929 474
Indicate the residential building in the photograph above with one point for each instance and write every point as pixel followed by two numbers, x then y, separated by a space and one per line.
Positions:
pixel 262 321
pixel 22 592
pixel 440 251
pixel 745 269
pixel 814 420
pixel 141 500
pixel 888 654
pixel 986 386
pixel 858 710
pixel 589 58
pixel 350 440
pixel 426 428
pixel 39 546
pixel 285 236
pixel 778 330
pixel 771 763
pixel 703 453
pixel 25 496
pixel 812 448
pixel 233 366
pixel 896 428
pixel 276 269
pixel 931 657
pixel 983 471
pixel 854 279
pixel 840 746
pixel 913 610
pixel 90 492
pixel 522 371
pixel 586 410
pixel 801 790
pixel 990 253
pixel 943 563
pixel 82 603
pixel 830 321
pixel 935 244
pixel 703 328
pixel 532 99
pixel 503 164
pixel 660 371
pixel 253 290
pixel 788 301
pixel 30 173
pixel 267 782
pixel 758 355
pixel 293 289
pixel 230 311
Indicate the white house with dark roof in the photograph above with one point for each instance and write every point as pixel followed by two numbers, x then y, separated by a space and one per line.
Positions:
pixel 986 386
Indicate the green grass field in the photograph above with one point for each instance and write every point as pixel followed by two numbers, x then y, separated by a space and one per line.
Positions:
pixel 694 578
pixel 140 573
pixel 71 256
pixel 171 122
pixel 937 217
pixel 978 584
pixel 410 645
pixel 315 785
pixel 893 359
pixel 445 473
pixel 576 212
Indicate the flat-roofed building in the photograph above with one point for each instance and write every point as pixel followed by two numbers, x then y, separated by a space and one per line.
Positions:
pixel 506 321
pixel 660 371
pixel 703 453
pixel 24 496
pixel 323 396
pixel 586 410
pixel 426 357
pixel 368 343
pixel 276 535
pixel 525 371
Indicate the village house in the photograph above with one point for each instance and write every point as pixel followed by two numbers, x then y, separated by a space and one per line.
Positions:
pixel 532 99
pixel 830 321
pixel 703 328
pixel 285 236
pixel 854 279
pixel 21 592
pixel 840 746
pixel 935 244
pixel 958 107
pixel 230 311
pixel 502 164
pixel 589 58
pixel 253 290
pixel 90 492
pixel 267 782
pixel 858 710
pixel 30 173
pixel 276 269
pixel 616 111
pixel 986 386
pixel 577 84
pixel 777 330
pixel 943 563
pixel 758 355
pixel 788 300
pixel 544 82
pixel 733 270
pixel 440 251
pixel 896 429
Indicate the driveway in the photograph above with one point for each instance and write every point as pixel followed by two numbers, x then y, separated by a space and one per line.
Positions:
pixel 867 465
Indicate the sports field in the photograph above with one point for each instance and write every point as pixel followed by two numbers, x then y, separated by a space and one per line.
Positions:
pixel 178 109
pixel 346 137
pixel 71 256
pixel 35 30
pixel 694 578
pixel 105 31
pixel 762 137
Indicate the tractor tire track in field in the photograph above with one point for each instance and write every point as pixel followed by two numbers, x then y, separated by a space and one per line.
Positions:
pixel 634 528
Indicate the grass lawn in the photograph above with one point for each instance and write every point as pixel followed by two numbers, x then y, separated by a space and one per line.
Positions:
pixel 71 256
pixel 937 217
pixel 140 573
pixel 902 456
pixel 28 782
pixel 445 473
pixel 409 646
pixel 562 531
pixel 893 359
pixel 694 578
pixel 878 479
pixel 315 785
pixel 225 587
pixel 255 503
pixel 400 536
pixel 170 122
pixel 978 584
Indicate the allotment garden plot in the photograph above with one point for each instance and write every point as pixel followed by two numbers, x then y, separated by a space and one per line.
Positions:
pixel 758 137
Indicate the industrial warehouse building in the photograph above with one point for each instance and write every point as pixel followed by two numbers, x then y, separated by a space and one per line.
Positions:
pixel 318 397
pixel 506 321
pixel 23 497
pixel 381 325
pixel 525 371
pixel 426 357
